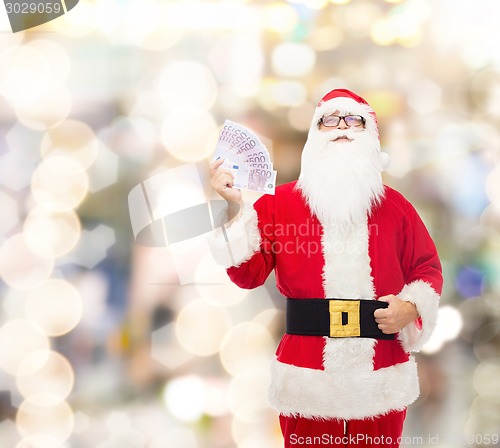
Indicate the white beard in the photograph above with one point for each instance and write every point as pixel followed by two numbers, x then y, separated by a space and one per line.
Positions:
pixel 341 181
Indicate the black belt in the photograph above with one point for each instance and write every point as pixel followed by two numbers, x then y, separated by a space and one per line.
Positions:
pixel 335 318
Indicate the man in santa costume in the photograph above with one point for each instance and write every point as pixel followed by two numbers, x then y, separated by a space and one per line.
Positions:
pixel 343 373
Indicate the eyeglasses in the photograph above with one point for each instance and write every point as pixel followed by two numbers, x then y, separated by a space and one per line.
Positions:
pixel 331 121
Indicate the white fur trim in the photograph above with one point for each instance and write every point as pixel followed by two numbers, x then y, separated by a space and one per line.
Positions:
pixel 347 270
pixel 342 355
pixel 346 106
pixel 310 393
pixel 426 300
pixel 243 239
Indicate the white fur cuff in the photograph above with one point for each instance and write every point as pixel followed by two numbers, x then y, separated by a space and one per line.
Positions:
pixel 233 245
pixel 426 300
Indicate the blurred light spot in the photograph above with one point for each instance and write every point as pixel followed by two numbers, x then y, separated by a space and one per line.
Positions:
pixel 340 2
pixel 209 273
pixel 403 24
pixel 41 441
pixel 39 416
pixel 209 16
pixel 486 337
pixel 55 305
pixel 19 338
pixel 45 372
pixel 385 102
pixel 126 134
pixel 13 304
pixel 241 429
pixel 166 349
pixel 187 254
pixel 312 4
pixel 93 246
pixel 10 213
pixel 491 216
pixel 451 147
pixel 473 239
pixel 20 267
pixel 268 317
pixel 260 438
pixel 245 347
pixel 481 428
pixel 238 61
pixel 326 38
pixel 266 97
pixel 381 32
pixel 23 156
pixel 300 117
pixel 56 56
pixel 59 183
pixel 51 234
pixel 218 289
pixel 104 171
pixel 109 19
pixel 289 93
pixel 176 437
pixel 187 85
pixel 179 139
pixel 216 397
pixel 424 97
pixel 169 191
pixel 489 134
pixel 82 422
pixel 44 109
pixel 145 25
pixel 358 18
pixel 122 432
pixel 71 138
pixel 76 24
pixel 145 105
pixel 184 397
pixel 247 397
pixel 485 379
pixel 293 59
pixel 469 281
pixel 397 145
pixel 94 290
pixel 448 327
pixel 469 198
pixel 493 185
pixel 279 17
pixel 32 83
pixel 201 327
pixel 28 72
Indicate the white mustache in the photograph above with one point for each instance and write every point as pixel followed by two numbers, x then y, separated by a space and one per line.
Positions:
pixel 336 133
pixel 324 138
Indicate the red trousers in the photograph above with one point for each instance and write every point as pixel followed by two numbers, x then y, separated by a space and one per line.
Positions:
pixel 379 432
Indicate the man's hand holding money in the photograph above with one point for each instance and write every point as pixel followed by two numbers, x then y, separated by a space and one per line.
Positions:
pixel 222 182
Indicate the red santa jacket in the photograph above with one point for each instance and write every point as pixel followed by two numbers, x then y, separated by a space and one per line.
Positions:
pixel 389 253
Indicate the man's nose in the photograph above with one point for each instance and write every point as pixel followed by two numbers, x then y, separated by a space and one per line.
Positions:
pixel 342 124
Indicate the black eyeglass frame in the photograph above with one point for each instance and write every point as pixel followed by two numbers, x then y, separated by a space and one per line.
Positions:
pixel 363 121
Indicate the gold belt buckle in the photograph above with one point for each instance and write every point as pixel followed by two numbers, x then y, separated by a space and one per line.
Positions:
pixel 352 328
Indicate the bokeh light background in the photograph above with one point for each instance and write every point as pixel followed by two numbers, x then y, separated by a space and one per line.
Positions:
pixel 99 345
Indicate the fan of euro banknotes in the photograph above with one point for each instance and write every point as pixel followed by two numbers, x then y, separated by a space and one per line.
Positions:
pixel 246 157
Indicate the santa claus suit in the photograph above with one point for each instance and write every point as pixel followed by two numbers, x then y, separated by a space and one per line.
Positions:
pixel 329 387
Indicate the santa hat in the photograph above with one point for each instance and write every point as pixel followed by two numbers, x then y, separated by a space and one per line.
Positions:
pixel 346 102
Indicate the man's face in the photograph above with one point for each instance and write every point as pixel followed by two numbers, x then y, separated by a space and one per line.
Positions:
pixel 341 167
pixel 337 121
